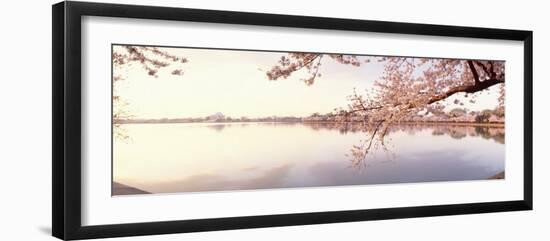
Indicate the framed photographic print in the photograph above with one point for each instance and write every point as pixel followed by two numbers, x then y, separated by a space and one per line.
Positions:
pixel 169 120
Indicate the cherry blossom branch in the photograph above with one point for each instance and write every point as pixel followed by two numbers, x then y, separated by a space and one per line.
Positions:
pixel 151 59
pixel 407 87
pixel 474 71
pixel 293 62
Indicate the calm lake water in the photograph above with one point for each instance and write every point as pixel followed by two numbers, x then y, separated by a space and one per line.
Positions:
pixel 167 158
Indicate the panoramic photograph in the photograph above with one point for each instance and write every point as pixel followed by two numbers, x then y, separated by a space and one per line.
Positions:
pixel 190 120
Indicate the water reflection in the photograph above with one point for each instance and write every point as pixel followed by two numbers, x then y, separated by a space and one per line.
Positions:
pixel 457 131
pixel 165 158
pixel 218 127
pixel 359 153
pixel 270 178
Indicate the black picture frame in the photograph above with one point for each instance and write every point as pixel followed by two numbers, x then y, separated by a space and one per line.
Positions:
pixel 67 135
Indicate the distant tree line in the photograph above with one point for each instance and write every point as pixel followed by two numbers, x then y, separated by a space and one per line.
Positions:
pixel 461 115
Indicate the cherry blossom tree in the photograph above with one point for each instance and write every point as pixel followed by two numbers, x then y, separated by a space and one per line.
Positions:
pixel 408 86
pixel 151 59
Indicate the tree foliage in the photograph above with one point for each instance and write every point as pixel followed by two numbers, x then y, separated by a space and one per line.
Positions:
pixel 151 59
pixel 408 86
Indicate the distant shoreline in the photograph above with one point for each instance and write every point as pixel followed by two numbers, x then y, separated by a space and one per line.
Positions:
pixel 446 123
pixel 490 124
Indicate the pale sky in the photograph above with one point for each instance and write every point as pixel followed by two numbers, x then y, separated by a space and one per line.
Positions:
pixel 235 84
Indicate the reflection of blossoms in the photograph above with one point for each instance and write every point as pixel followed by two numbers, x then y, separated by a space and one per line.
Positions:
pixel 358 153
pixel 457 131
pixel 409 86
